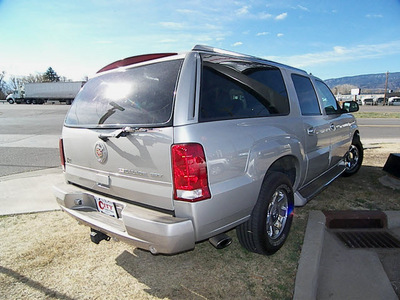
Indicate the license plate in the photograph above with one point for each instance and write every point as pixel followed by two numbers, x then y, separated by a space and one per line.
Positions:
pixel 106 207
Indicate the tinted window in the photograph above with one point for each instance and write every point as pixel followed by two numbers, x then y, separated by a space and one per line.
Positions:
pixel 137 96
pixel 306 95
pixel 329 102
pixel 236 89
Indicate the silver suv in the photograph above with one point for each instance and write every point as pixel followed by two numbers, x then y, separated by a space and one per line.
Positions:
pixel 167 150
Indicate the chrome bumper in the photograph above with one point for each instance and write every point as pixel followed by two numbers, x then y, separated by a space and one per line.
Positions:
pixel 144 228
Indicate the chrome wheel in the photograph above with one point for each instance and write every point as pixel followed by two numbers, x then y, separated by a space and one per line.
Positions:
pixel 277 214
pixel 269 225
pixel 352 158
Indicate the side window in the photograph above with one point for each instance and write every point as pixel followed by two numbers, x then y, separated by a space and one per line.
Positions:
pixel 306 94
pixel 270 77
pixel 227 93
pixel 329 102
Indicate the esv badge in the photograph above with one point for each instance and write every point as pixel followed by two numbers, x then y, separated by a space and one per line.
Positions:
pixel 100 151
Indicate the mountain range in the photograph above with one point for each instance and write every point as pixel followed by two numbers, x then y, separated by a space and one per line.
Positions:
pixel 371 82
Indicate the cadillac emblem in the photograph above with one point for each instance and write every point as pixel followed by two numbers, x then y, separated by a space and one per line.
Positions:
pixel 100 151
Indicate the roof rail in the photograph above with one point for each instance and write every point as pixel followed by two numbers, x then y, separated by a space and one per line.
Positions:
pixel 134 60
pixel 217 50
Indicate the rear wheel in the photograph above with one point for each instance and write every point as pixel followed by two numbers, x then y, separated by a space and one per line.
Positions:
pixel 354 157
pixel 269 224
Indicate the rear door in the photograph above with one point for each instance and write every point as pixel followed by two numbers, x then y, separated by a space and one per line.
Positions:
pixel 118 134
pixel 316 127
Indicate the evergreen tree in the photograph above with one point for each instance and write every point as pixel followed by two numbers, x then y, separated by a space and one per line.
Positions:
pixel 51 75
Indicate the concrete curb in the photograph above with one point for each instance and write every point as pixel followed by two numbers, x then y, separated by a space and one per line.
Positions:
pixel 324 269
pixel 306 284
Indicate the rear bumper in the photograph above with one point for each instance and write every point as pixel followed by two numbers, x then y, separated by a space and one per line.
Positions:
pixel 142 227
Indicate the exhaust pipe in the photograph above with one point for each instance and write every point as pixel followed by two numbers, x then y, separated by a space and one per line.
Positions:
pixel 220 241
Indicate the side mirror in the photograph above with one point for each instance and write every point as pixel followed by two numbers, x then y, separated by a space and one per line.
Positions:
pixel 350 106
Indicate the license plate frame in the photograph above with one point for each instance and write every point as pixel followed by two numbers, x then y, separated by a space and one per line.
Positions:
pixel 106 207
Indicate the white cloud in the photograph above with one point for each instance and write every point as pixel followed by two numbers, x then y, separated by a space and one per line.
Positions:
pixel 211 27
pixel 282 16
pixel 242 11
pixel 339 50
pixel 237 44
pixel 280 35
pixel 172 25
pixel 262 33
pixel 302 7
pixel 374 16
pixel 340 54
pixel 264 16
pixel 186 11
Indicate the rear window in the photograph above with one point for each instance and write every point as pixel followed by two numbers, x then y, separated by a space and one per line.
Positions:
pixel 140 96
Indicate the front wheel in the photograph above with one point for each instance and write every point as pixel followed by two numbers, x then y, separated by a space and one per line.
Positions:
pixel 270 221
pixel 354 157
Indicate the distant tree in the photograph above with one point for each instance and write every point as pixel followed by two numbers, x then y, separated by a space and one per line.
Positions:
pixel 32 78
pixel 50 75
pixel 15 82
pixel 4 89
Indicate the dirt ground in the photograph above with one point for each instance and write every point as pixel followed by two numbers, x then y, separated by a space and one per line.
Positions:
pixel 49 256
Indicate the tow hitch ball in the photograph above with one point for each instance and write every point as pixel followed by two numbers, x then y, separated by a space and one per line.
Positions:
pixel 97 236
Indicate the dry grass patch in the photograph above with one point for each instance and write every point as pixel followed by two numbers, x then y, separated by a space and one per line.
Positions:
pixel 49 256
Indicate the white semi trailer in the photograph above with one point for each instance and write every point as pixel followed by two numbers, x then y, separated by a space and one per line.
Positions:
pixel 39 93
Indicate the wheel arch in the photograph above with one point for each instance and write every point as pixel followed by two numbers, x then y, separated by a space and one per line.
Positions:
pixel 356 134
pixel 288 165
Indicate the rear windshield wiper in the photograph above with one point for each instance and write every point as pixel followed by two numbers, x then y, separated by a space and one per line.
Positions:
pixel 110 112
pixel 123 132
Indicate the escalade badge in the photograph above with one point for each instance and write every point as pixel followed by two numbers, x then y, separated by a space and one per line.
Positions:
pixel 100 151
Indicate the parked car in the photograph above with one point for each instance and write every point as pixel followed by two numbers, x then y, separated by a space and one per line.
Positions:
pixel 380 101
pixel 395 101
pixel 167 150
pixel 369 101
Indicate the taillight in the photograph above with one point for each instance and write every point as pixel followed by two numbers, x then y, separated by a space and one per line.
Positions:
pixel 62 156
pixel 189 169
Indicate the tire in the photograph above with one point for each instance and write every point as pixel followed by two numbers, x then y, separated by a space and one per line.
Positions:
pixel 269 224
pixel 354 157
pixel 11 101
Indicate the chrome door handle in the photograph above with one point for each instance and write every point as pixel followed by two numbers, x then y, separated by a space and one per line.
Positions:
pixel 332 127
pixel 311 131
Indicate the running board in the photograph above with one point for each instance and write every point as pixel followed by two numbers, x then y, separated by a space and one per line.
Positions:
pixel 309 191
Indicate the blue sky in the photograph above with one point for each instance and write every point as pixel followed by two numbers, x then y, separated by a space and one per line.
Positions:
pixel 330 39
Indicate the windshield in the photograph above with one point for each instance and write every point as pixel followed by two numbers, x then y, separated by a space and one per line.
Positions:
pixel 141 96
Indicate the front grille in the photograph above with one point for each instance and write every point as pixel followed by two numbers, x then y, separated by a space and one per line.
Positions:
pixel 368 239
